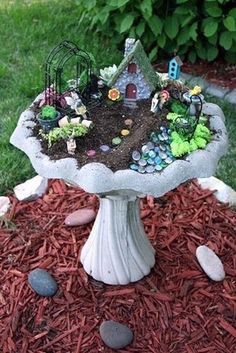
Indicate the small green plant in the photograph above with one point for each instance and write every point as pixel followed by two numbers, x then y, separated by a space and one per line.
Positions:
pixel 65 132
pixel 48 113
pixel 181 146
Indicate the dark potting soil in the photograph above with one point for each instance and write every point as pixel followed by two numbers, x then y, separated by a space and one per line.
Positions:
pixel 108 121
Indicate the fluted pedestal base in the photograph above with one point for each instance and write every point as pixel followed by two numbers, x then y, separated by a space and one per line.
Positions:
pixel 117 250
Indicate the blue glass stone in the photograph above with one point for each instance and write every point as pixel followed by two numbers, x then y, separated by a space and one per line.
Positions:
pixel 142 162
pixel 169 153
pixel 136 155
pixel 145 156
pixel 162 155
pixel 154 139
pixel 141 169
pixel 152 154
pixel 163 128
pixel 133 166
pixel 157 149
pixel 157 160
pixel 150 169
pixel 161 138
pixel 163 147
pixel 150 145
pixel 150 161
pixel 158 167
pixel 168 160
pixel 145 149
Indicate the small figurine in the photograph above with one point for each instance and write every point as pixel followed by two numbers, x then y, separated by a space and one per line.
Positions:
pixel 159 100
pixel 71 145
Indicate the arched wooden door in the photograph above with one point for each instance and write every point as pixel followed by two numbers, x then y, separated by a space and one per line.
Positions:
pixel 131 91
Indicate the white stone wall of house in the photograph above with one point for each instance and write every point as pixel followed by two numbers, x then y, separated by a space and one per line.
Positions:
pixel 138 79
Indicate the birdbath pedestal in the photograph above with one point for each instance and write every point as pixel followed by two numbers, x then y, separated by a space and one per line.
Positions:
pixel 118 250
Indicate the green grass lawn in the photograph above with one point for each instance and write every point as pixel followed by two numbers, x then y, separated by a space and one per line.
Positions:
pixel 28 31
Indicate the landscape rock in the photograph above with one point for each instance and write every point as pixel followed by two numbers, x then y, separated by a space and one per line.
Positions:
pixel 4 205
pixel 217 91
pixel 115 335
pixel 42 282
pixel 223 193
pixel 80 217
pixel 210 263
pixel 31 189
pixel 231 97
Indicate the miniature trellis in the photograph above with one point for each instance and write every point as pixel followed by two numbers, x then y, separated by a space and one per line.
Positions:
pixel 54 68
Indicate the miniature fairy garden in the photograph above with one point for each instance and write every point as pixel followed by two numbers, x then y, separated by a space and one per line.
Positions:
pixel 126 117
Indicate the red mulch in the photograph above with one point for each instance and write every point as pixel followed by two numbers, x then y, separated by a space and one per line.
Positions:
pixel 177 308
pixel 219 73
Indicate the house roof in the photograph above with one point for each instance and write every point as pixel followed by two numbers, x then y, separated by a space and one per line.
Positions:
pixel 177 60
pixel 137 53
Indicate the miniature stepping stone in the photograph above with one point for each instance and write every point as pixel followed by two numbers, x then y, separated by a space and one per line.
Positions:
pixel 125 132
pixel 116 141
pixel 104 148
pixel 4 205
pixel 128 122
pixel 31 189
pixel 115 335
pixel 80 217
pixel 42 282
pixel 210 263
pixel 91 153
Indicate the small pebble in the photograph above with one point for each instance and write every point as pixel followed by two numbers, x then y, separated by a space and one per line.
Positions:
pixel 115 335
pixel 80 217
pixel 104 148
pixel 42 282
pixel 91 153
pixel 116 141
pixel 125 132
pixel 210 263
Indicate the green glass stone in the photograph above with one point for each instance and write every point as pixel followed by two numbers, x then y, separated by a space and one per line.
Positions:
pixel 116 141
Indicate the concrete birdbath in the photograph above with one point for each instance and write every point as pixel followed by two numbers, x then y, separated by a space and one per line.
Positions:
pixel 118 250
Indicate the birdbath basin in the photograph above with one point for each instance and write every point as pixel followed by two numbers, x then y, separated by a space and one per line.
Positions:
pixel 118 250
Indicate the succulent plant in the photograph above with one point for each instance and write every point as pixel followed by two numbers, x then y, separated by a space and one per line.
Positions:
pixel 107 72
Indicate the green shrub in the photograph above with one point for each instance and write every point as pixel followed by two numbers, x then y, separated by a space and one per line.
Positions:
pixel 206 30
pixel 48 113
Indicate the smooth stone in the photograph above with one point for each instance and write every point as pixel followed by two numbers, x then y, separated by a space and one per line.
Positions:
pixel 91 153
pixel 42 282
pixel 115 335
pixel 168 160
pixel 152 154
pixel 157 160
pixel 210 263
pixel 31 189
pixel 80 217
pixel 104 148
pixel 222 192
pixel 162 155
pixel 116 141
pixel 4 205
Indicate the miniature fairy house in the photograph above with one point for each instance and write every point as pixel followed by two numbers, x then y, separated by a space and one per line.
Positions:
pixel 174 68
pixel 135 78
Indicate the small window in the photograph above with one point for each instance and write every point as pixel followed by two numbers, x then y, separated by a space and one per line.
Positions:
pixel 132 68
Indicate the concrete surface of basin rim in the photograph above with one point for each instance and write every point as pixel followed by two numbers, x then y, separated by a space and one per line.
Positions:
pixel 97 178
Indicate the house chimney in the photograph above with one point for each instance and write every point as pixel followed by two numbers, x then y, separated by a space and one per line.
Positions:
pixel 129 43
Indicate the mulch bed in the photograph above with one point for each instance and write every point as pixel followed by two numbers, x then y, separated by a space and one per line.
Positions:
pixel 177 308
pixel 217 72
